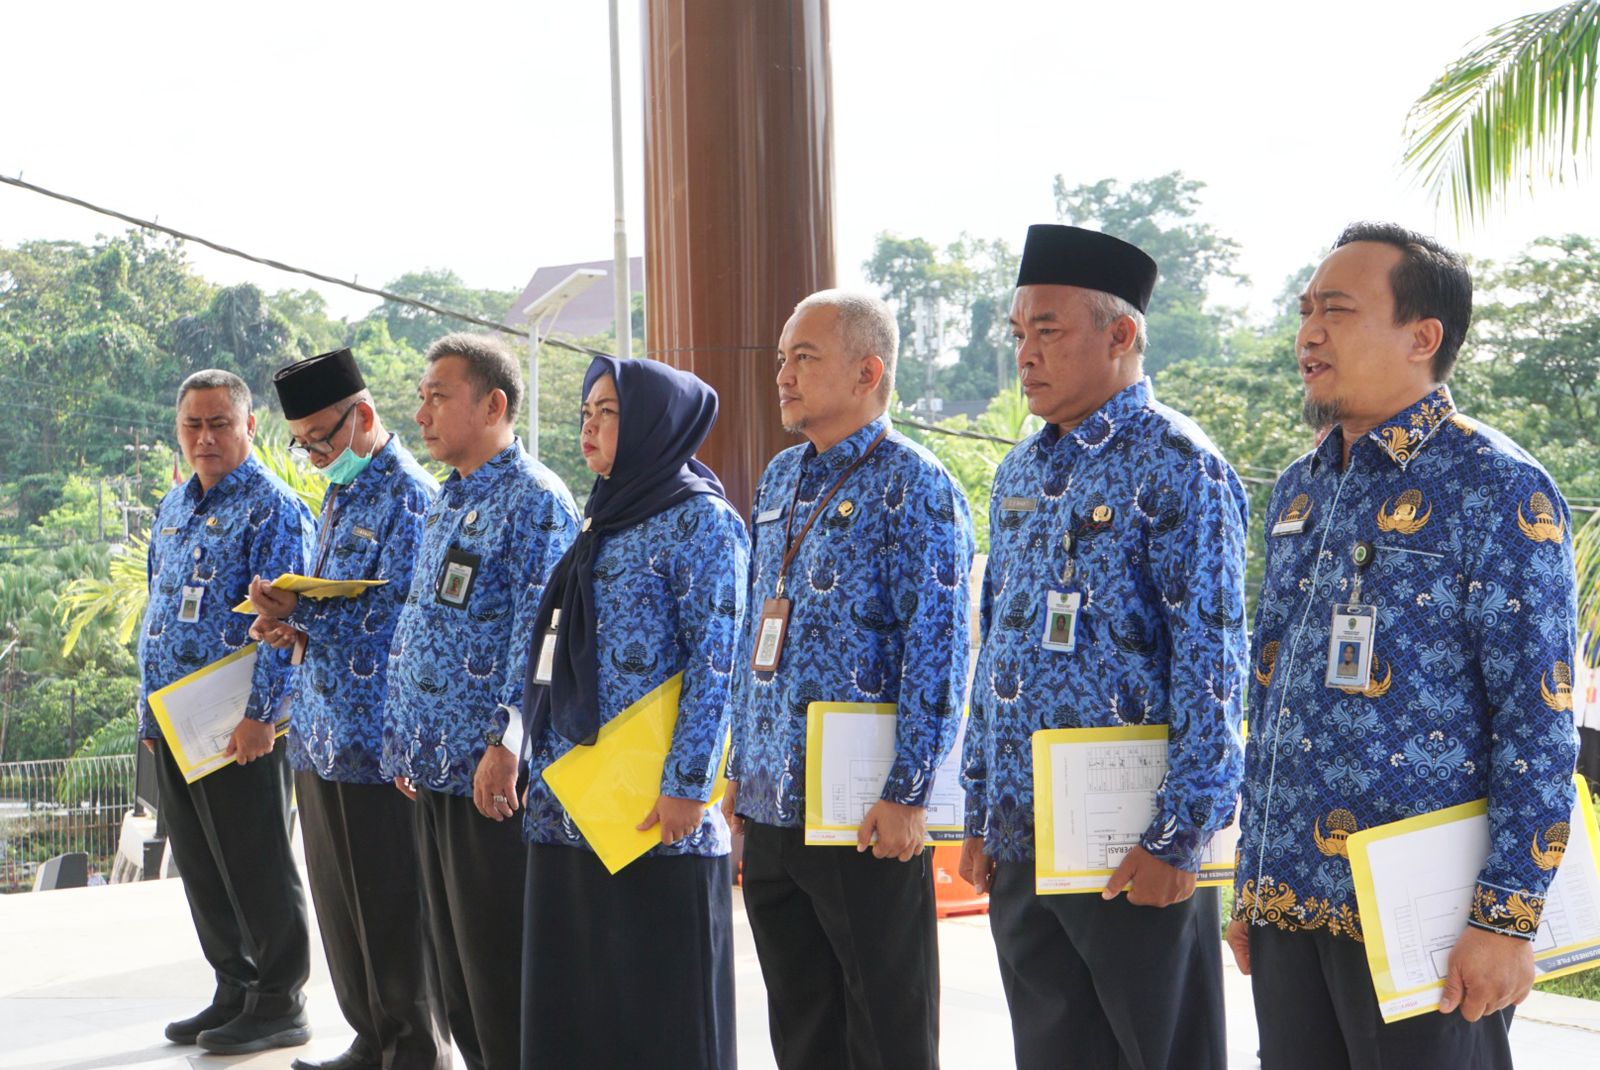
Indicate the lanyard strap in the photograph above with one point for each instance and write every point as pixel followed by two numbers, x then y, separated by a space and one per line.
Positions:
pixel 792 542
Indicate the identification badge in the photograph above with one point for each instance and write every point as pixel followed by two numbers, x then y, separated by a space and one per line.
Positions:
pixel 770 634
pixel 1061 621
pixel 1350 646
pixel 767 516
pixel 455 582
pixel 1289 527
pixel 1019 505
pixel 546 667
pixel 364 533
pixel 169 531
pixel 189 606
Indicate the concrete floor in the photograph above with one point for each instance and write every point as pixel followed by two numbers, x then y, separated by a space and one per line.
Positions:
pixel 88 978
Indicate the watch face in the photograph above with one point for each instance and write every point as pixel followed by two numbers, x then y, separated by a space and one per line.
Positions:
pixel 493 738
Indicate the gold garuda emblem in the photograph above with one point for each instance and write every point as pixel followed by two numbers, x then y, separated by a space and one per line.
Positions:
pixel 1269 658
pixel 1543 527
pixel 1555 845
pixel 1341 823
pixel 1404 517
pixel 1377 686
pixel 1298 510
pixel 1558 698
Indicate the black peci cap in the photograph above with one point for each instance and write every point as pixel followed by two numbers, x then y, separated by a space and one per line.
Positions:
pixel 311 385
pixel 1057 255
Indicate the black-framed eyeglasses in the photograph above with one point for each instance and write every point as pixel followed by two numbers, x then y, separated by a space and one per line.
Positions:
pixel 323 446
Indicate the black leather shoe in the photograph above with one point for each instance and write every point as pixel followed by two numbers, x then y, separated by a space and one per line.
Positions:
pixel 248 1033
pixel 353 1059
pixel 185 1030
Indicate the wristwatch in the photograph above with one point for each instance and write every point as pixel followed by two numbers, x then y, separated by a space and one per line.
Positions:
pixel 494 737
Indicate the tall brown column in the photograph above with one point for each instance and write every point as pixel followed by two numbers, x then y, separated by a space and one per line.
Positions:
pixel 738 157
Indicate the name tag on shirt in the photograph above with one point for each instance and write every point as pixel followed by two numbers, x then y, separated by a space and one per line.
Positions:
pixel 1290 527
pixel 1019 505
pixel 1061 621
pixel 364 533
pixel 189 605
pixel 1350 646
pixel 169 531
pixel 460 572
pixel 767 516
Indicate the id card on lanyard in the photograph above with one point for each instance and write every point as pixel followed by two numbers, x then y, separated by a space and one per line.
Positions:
pixel 773 628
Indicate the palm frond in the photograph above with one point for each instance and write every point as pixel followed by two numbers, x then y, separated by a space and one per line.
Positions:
pixel 1518 107
pixel 122 596
pixel 1586 553
pixel 308 484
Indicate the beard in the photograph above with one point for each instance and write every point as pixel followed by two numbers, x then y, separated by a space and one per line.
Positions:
pixel 796 427
pixel 1320 415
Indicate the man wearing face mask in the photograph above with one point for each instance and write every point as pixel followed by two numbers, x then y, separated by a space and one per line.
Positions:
pixel 361 855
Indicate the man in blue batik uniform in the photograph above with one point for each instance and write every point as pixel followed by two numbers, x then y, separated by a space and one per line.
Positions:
pixel 876 597
pixel 360 839
pixel 1114 595
pixel 499 525
pixel 229 830
pixel 1448 551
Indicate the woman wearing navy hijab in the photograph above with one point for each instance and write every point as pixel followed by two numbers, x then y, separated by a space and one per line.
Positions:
pixel 636 969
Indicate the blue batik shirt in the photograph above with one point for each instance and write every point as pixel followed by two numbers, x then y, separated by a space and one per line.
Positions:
pixel 1136 512
pixel 1470 691
pixel 879 614
pixel 456 673
pixel 669 598
pixel 369 530
pixel 249 524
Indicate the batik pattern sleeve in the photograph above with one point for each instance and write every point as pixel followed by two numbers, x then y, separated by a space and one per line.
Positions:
pixel 930 599
pixel 974 766
pixel 1525 563
pixel 1197 563
pixel 281 543
pixel 709 585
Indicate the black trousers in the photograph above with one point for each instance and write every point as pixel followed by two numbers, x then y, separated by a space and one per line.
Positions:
pixel 361 863
pixel 627 971
pixel 849 951
pixel 1316 1009
pixel 473 873
pixel 1101 984
pixel 229 833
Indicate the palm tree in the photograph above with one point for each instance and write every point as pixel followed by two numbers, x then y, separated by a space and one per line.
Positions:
pixel 1518 107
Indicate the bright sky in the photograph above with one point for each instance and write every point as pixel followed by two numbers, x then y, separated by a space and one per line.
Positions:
pixel 367 140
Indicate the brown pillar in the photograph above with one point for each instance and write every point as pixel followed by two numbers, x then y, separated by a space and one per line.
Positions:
pixel 738 160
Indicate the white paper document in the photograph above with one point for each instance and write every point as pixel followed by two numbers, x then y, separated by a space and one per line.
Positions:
pixel 1415 881
pixel 1094 797
pixel 198 713
pixel 849 752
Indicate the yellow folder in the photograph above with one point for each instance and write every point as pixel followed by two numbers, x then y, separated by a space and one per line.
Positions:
pixel 610 787
pixel 198 713
pixel 315 587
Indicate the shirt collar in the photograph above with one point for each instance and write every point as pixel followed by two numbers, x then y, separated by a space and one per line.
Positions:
pixel 1402 436
pixel 852 446
pixel 224 486
pixel 485 474
pixel 1102 425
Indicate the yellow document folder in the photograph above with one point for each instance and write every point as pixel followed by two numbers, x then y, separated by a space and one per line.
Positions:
pixel 610 787
pixel 315 587
pixel 1414 882
pixel 199 712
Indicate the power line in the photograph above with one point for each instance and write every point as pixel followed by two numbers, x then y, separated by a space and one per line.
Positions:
pixel 278 265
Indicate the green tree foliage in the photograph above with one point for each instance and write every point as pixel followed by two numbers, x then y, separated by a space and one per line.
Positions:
pixel 1158 215
pixel 444 288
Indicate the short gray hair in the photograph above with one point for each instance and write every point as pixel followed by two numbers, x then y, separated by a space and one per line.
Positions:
pixel 866 326
pixel 217 379
pixel 490 365
pixel 1105 309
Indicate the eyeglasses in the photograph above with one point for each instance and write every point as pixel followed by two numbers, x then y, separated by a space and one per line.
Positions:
pixel 302 451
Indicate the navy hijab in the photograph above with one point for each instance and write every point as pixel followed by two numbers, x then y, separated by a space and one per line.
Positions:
pixel 664 416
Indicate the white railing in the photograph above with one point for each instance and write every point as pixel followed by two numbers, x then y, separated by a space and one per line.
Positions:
pixel 52 807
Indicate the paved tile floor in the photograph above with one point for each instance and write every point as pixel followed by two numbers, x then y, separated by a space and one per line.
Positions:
pixel 88 978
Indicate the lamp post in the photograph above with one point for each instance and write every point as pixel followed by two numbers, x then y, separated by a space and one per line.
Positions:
pixel 541 315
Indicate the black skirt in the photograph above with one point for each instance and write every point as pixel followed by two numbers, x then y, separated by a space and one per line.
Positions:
pixel 627 971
